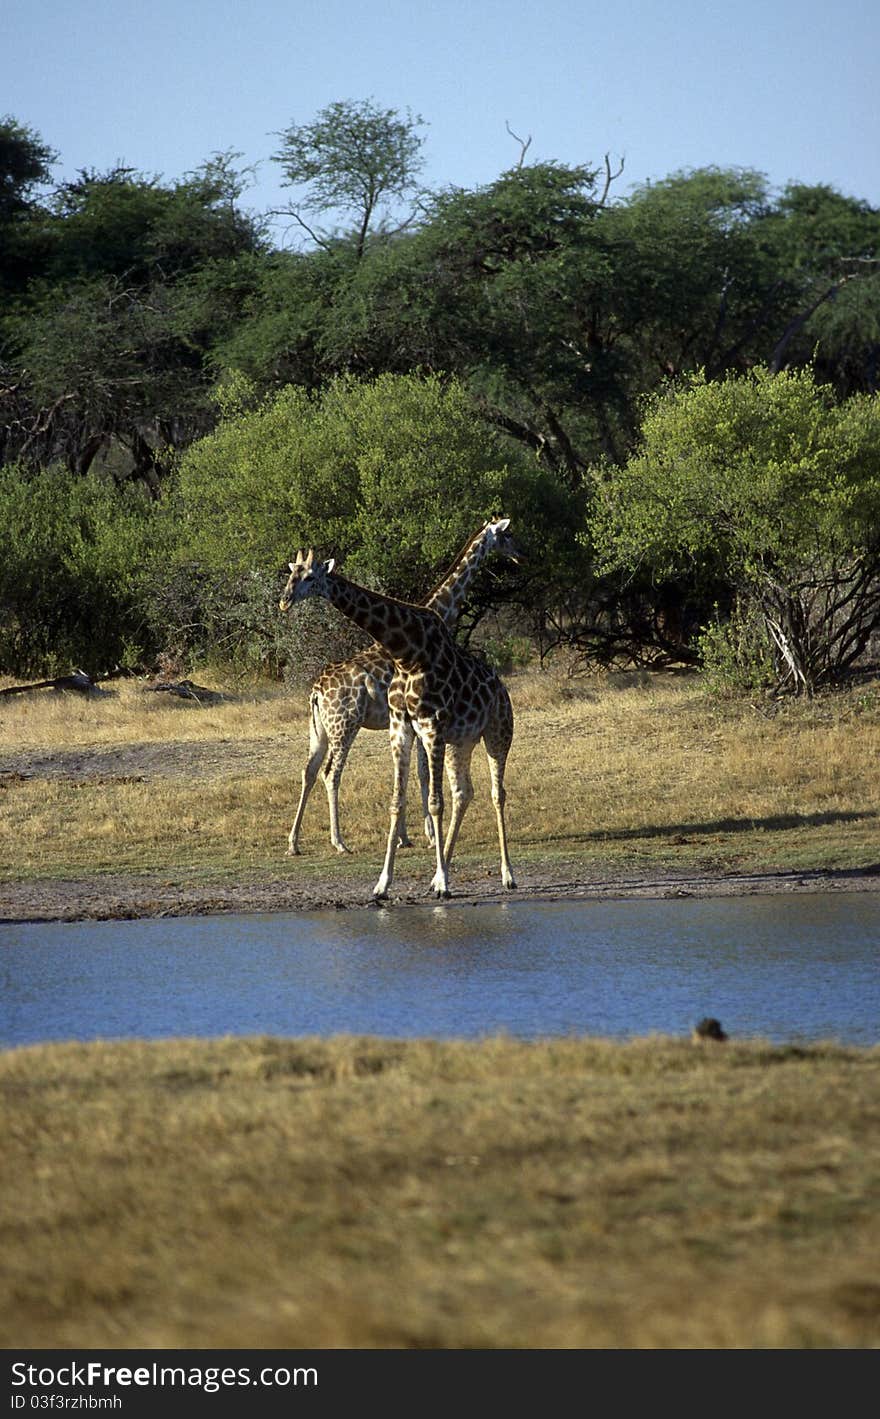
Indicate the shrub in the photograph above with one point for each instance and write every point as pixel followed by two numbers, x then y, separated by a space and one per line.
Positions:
pixel 74 550
pixel 765 482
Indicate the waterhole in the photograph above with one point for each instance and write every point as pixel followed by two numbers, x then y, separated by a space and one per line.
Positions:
pixel 802 968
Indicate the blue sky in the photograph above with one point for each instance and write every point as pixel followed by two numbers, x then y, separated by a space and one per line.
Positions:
pixel 791 89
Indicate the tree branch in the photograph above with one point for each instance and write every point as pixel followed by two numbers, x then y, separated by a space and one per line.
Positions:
pixel 524 144
pixel 800 321
pixel 609 178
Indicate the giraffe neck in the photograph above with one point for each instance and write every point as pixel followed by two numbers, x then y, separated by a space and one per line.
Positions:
pixel 404 631
pixel 447 598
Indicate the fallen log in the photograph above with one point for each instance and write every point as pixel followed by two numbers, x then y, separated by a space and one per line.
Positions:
pixel 79 681
pixel 187 691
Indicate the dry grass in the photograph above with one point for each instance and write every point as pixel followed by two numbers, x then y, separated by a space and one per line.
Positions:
pixel 130 714
pixel 361 1193
pixel 640 771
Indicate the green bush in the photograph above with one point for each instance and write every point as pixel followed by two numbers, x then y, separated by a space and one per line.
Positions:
pixel 391 476
pixel 766 483
pixel 736 656
pixel 74 551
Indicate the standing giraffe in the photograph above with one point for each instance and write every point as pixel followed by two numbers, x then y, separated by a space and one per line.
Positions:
pixel 351 695
pixel 438 692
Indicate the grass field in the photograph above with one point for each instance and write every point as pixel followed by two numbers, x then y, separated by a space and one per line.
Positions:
pixel 370 1193
pixel 632 771
pixel 367 1193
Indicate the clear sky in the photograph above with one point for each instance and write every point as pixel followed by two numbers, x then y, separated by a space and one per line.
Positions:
pixel 789 88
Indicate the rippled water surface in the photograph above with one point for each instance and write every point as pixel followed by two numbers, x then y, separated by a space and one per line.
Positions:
pixel 801 967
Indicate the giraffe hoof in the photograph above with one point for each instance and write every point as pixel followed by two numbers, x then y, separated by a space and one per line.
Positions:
pixel 293 852
pixel 342 849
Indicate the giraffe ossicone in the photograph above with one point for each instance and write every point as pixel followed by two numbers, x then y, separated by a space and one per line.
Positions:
pixel 352 694
pixel 439 694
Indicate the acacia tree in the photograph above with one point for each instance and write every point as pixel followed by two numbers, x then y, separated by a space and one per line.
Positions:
pixel 772 486
pixel 108 349
pixel 351 160
pixel 830 246
pixel 25 167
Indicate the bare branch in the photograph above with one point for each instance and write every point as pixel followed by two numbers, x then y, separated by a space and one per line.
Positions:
pixel 799 322
pixel 524 144
pixel 289 212
pixel 609 178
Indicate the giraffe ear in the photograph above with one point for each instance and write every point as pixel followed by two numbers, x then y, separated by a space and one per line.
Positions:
pixel 331 564
pixel 292 566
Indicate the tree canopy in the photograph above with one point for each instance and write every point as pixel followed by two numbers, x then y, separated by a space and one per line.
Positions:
pixel 546 306
pixel 772 485
pixel 352 159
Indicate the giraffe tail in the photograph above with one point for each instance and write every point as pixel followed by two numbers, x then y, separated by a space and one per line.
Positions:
pixel 317 728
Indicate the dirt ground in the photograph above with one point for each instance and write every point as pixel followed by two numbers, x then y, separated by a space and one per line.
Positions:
pixel 112 896
pixel 123 896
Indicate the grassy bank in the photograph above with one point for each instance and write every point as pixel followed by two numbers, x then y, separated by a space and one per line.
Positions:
pixel 574 1193
pixel 359 1193
pixel 628 771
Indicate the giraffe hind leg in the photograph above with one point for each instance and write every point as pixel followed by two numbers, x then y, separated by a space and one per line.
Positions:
pixel 422 766
pixel 401 737
pixel 458 771
pixel 318 744
pixel 332 776
pixel 497 740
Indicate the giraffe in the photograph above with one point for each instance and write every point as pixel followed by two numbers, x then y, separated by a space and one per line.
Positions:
pixel 351 695
pixel 439 693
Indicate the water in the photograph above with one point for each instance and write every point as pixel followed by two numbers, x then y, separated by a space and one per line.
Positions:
pixel 797 968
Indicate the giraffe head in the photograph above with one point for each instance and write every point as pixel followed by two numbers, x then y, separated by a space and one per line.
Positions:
pixel 499 539
pixel 308 577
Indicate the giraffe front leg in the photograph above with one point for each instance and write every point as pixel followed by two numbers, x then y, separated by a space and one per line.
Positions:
pixel 434 749
pixel 401 736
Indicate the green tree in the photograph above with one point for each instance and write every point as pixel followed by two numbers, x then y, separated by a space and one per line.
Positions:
pixel 351 160
pixel 25 167
pixel 390 475
pixel 25 164
pixel 830 247
pixel 110 354
pixel 772 486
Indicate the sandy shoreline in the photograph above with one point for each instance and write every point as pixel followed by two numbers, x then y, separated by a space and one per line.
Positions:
pixel 110 897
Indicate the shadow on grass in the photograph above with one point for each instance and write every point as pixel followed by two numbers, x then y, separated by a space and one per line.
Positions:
pixel 782 822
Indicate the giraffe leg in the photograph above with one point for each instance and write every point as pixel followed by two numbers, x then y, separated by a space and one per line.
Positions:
pixel 403 837
pixel 422 764
pixel 318 743
pixel 458 771
pixel 435 750
pixel 401 736
pixel 332 776
pixel 497 739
